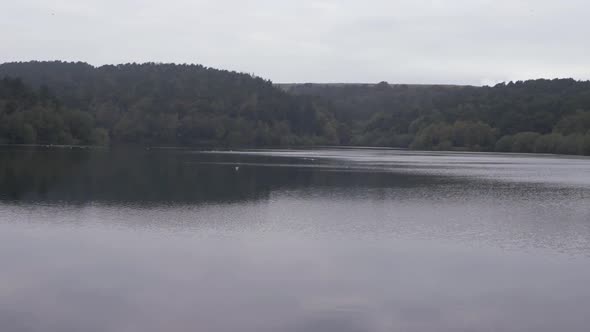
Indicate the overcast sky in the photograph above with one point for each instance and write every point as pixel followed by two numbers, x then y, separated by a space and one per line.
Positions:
pixel 400 41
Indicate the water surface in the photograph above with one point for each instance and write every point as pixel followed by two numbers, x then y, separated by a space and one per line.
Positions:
pixel 292 240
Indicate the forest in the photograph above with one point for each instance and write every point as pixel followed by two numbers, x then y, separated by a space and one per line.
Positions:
pixel 154 104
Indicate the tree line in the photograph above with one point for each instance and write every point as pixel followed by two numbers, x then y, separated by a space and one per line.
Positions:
pixel 542 116
pixel 153 104
pixel 192 105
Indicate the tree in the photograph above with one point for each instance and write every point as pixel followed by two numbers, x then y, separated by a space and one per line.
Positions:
pixel 504 144
pixel 525 142
pixel 192 105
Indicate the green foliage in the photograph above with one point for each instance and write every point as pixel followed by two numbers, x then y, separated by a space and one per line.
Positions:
pixel 159 104
pixel 571 144
pixel 578 123
pixel 192 105
pixel 462 117
pixel 585 150
pixel 474 136
pixel 524 142
pixel 549 143
pixel 29 135
pixel 100 137
pixel 31 117
pixel 436 136
pixel 504 144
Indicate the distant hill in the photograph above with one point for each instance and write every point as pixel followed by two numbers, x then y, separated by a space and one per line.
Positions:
pixel 295 87
pixel 168 104
pixel 192 105
pixel 550 116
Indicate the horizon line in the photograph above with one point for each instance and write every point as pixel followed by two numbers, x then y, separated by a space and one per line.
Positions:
pixel 96 66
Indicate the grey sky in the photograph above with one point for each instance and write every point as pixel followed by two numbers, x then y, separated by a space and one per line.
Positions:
pixel 400 41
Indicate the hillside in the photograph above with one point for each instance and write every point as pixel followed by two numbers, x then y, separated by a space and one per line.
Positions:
pixel 192 105
pixel 168 104
pixel 547 116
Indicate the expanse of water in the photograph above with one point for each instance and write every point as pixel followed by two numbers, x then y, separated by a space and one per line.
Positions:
pixel 335 240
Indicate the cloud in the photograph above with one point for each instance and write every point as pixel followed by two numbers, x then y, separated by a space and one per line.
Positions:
pixel 417 41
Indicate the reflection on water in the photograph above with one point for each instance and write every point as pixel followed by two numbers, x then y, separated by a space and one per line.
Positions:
pixel 292 240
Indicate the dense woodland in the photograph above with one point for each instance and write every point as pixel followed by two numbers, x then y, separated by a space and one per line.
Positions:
pixel 544 116
pixel 153 104
pixel 192 105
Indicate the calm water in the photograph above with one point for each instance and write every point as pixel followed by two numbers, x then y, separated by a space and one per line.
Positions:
pixel 302 240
